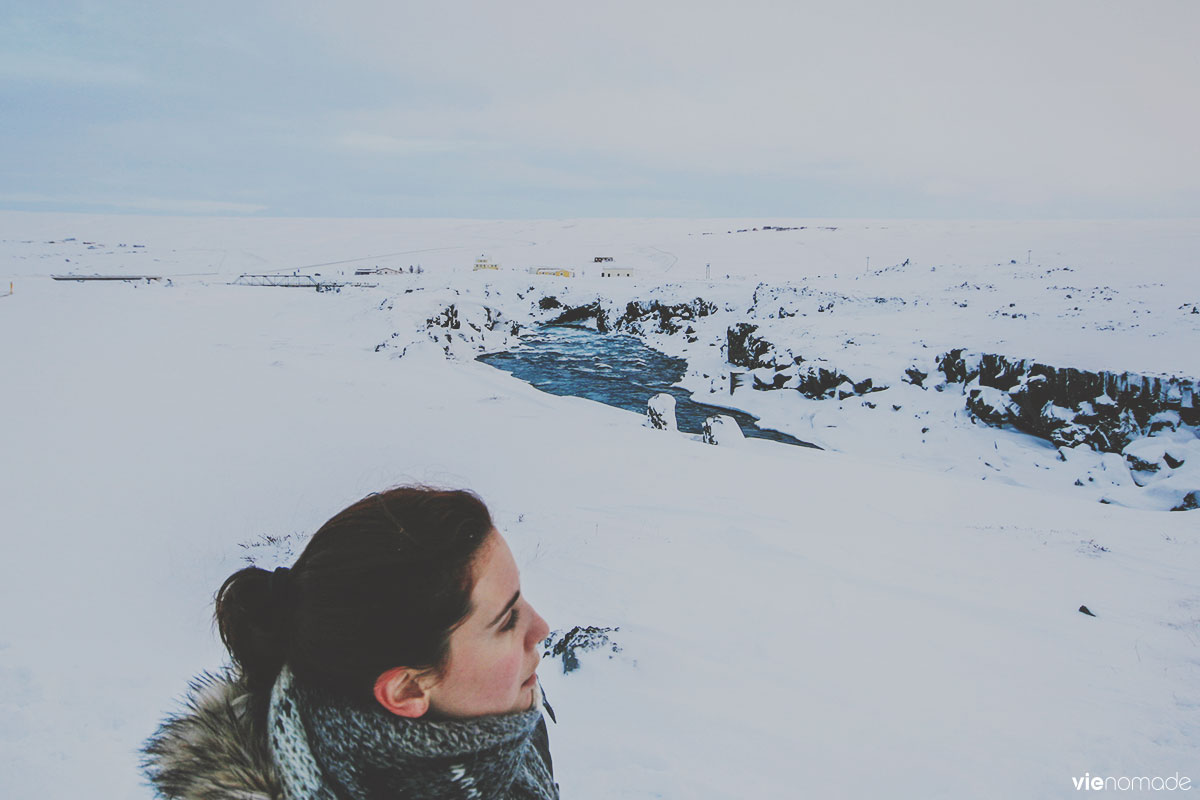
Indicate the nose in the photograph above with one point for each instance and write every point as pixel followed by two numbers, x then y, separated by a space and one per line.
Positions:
pixel 538 629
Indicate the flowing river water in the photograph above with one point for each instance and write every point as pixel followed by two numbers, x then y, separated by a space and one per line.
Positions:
pixel 616 370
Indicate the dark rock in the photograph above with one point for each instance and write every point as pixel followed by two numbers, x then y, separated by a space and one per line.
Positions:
pixel 1138 465
pixel 1172 461
pixel 447 319
pixel 494 319
pixel 777 381
pixel 816 382
pixel 567 645
pixel 999 372
pixel 1032 394
pixel 1070 406
pixel 1070 435
pixel 1084 610
pixel 991 406
pixel 1113 434
pixel 665 318
pixel 547 303
pixel 1191 501
pixel 583 313
pixel 956 367
pixel 1164 421
pixel 867 385
pixel 915 376
pixel 744 349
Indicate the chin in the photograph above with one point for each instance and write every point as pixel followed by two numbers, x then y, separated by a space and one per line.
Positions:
pixel 526 699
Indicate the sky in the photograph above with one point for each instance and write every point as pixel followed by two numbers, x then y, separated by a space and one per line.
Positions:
pixel 532 109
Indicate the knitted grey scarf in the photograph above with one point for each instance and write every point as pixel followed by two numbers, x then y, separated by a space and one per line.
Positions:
pixel 327 750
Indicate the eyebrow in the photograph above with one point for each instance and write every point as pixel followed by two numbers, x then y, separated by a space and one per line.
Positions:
pixel 512 601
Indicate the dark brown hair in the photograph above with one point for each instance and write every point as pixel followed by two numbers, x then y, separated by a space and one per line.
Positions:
pixel 380 585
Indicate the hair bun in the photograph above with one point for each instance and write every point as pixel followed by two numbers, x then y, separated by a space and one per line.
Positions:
pixel 256 618
pixel 279 587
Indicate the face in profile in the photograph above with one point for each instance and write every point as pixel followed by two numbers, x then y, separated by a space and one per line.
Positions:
pixel 493 654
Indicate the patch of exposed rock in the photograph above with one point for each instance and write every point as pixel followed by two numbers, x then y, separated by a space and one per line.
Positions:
pixel 594 312
pixel 476 326
pixel 640 317
pixel 567 645
pixel 1069 406
pixel 775 369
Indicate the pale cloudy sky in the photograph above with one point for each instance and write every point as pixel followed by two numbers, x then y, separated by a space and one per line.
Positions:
pixel 525 108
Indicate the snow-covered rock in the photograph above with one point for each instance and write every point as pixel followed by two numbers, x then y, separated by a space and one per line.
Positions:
pixel 991 405
pixel 660 412
pixel 722 430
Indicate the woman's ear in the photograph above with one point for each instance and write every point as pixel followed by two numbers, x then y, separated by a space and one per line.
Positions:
pixel 403 692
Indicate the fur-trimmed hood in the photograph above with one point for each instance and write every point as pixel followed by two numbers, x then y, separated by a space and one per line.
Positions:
pixel 215 748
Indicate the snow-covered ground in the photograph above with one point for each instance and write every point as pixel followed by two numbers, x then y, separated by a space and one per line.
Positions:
pixel 869 620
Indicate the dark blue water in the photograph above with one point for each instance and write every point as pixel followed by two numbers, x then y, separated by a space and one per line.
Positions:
pixel 617 371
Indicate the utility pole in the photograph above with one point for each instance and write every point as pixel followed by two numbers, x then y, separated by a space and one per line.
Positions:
pixel 707 271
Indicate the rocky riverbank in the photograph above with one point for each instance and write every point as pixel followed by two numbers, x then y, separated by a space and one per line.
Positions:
pixel 846 358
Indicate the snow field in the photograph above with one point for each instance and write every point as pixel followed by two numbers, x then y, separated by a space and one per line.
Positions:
pixel 791 621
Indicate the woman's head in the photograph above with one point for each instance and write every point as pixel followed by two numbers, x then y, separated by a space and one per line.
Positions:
pixel 492 655
pixel 395 581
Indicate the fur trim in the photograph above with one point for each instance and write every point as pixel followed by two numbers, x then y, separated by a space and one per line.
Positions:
pixel 215 748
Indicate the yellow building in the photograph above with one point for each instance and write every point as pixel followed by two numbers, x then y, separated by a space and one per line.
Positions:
pixel 558 271
pixel 483 263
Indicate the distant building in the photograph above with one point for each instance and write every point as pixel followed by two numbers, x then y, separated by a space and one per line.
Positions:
pixel 558 271
pixel 601 259
pixel 483 263
pixel 379 271
pixel 611 272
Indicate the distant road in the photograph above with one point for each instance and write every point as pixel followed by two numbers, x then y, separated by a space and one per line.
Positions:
pixel 674 258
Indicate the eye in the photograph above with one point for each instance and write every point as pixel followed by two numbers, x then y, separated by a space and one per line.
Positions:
pixel 512 620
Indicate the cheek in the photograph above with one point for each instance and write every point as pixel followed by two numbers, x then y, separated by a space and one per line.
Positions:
pixel 506 670
pixel 497 675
